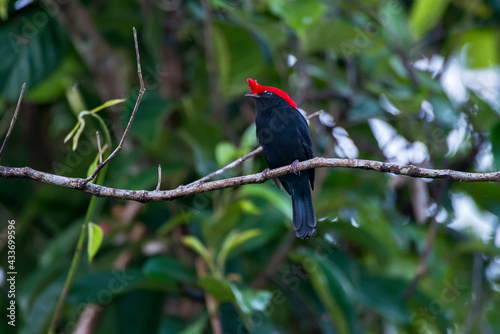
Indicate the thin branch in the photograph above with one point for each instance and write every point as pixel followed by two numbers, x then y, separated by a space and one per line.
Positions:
pixel 159 178
pixel 240 159
pixel 99 146
pixel 137 103
pixel 227 167
pixel 144 196
pixel 13 121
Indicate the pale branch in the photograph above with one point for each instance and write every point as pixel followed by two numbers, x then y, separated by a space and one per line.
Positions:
pixel 99 146
pixel 134 111
pixel 227 167
pixel 241 159
pixel 13 121
pixel 182 191
pixel 159 178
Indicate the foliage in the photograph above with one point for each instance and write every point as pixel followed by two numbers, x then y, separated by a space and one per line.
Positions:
pixel 411 82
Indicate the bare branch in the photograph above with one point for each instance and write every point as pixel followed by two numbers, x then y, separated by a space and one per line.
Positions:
pixel 13 121
pixel 159 178
pixel 241 159
pixel 227 167
pixel 139 98
pixel 99 146
pixel 144 196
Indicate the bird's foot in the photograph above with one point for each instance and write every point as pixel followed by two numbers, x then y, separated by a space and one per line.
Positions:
pixel 265 171
pixel 294 167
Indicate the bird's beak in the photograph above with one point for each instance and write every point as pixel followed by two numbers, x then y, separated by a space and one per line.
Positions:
pixel 253 95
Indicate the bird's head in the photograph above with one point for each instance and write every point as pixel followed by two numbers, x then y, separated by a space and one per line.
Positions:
pixel 268 96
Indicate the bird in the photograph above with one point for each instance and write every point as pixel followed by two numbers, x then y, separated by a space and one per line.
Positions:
pixel 285 138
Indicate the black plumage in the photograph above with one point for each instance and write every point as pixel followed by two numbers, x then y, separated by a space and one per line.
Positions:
pixel 284 135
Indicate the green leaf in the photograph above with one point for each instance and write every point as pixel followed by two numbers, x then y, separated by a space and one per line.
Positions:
pixel 233 240
pixel 219 288
pixel 238 58
pixel 30 51
pixel 332 287
pixel 107 104
pixel 249 300
pixel 249 207
pixel 195 244
pixel 37 280
pixel 148 123
pixel 59 82
pixel 43 306
pixel 93 166
pixel 62 245
pixel 4 4
pixel 169 270
pixel 75 99
pixel 385 297
pixel 79 131
pixel 72 132
pixel 485 40
pixel 272 195
pixel 337 36
pixel 298 14
pixel 225 152
pixel 105 285
pixel 425 14
pixel 95 239
pixel 248 139
pixel 173 222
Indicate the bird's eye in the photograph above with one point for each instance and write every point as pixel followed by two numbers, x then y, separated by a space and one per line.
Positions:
pixel 269 93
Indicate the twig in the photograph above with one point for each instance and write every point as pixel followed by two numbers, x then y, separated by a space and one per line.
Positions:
pixel 144 196
pixel 227 167
pixel 99 146
pixel 159 178
pixel 137 103
pixel 240 159
pixel 14 118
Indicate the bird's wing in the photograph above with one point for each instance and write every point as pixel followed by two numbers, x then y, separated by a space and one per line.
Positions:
pixel 305 139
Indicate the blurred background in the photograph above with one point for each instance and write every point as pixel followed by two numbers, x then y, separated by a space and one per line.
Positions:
pixel 400 81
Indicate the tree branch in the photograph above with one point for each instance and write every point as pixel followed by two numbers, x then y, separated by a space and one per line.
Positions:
pixel 240 159
pixel 145 196
pixel 13 121
pixel 137 102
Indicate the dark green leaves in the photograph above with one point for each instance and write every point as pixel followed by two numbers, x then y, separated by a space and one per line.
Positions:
pixel 32 45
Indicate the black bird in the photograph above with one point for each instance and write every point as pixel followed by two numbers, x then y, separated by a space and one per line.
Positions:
pixel 284 135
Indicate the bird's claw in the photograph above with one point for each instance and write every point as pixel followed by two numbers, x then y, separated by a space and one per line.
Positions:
pixel 265 171
pixel 294 167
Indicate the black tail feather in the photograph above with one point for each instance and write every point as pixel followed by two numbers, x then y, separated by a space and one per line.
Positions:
pixel 304 219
